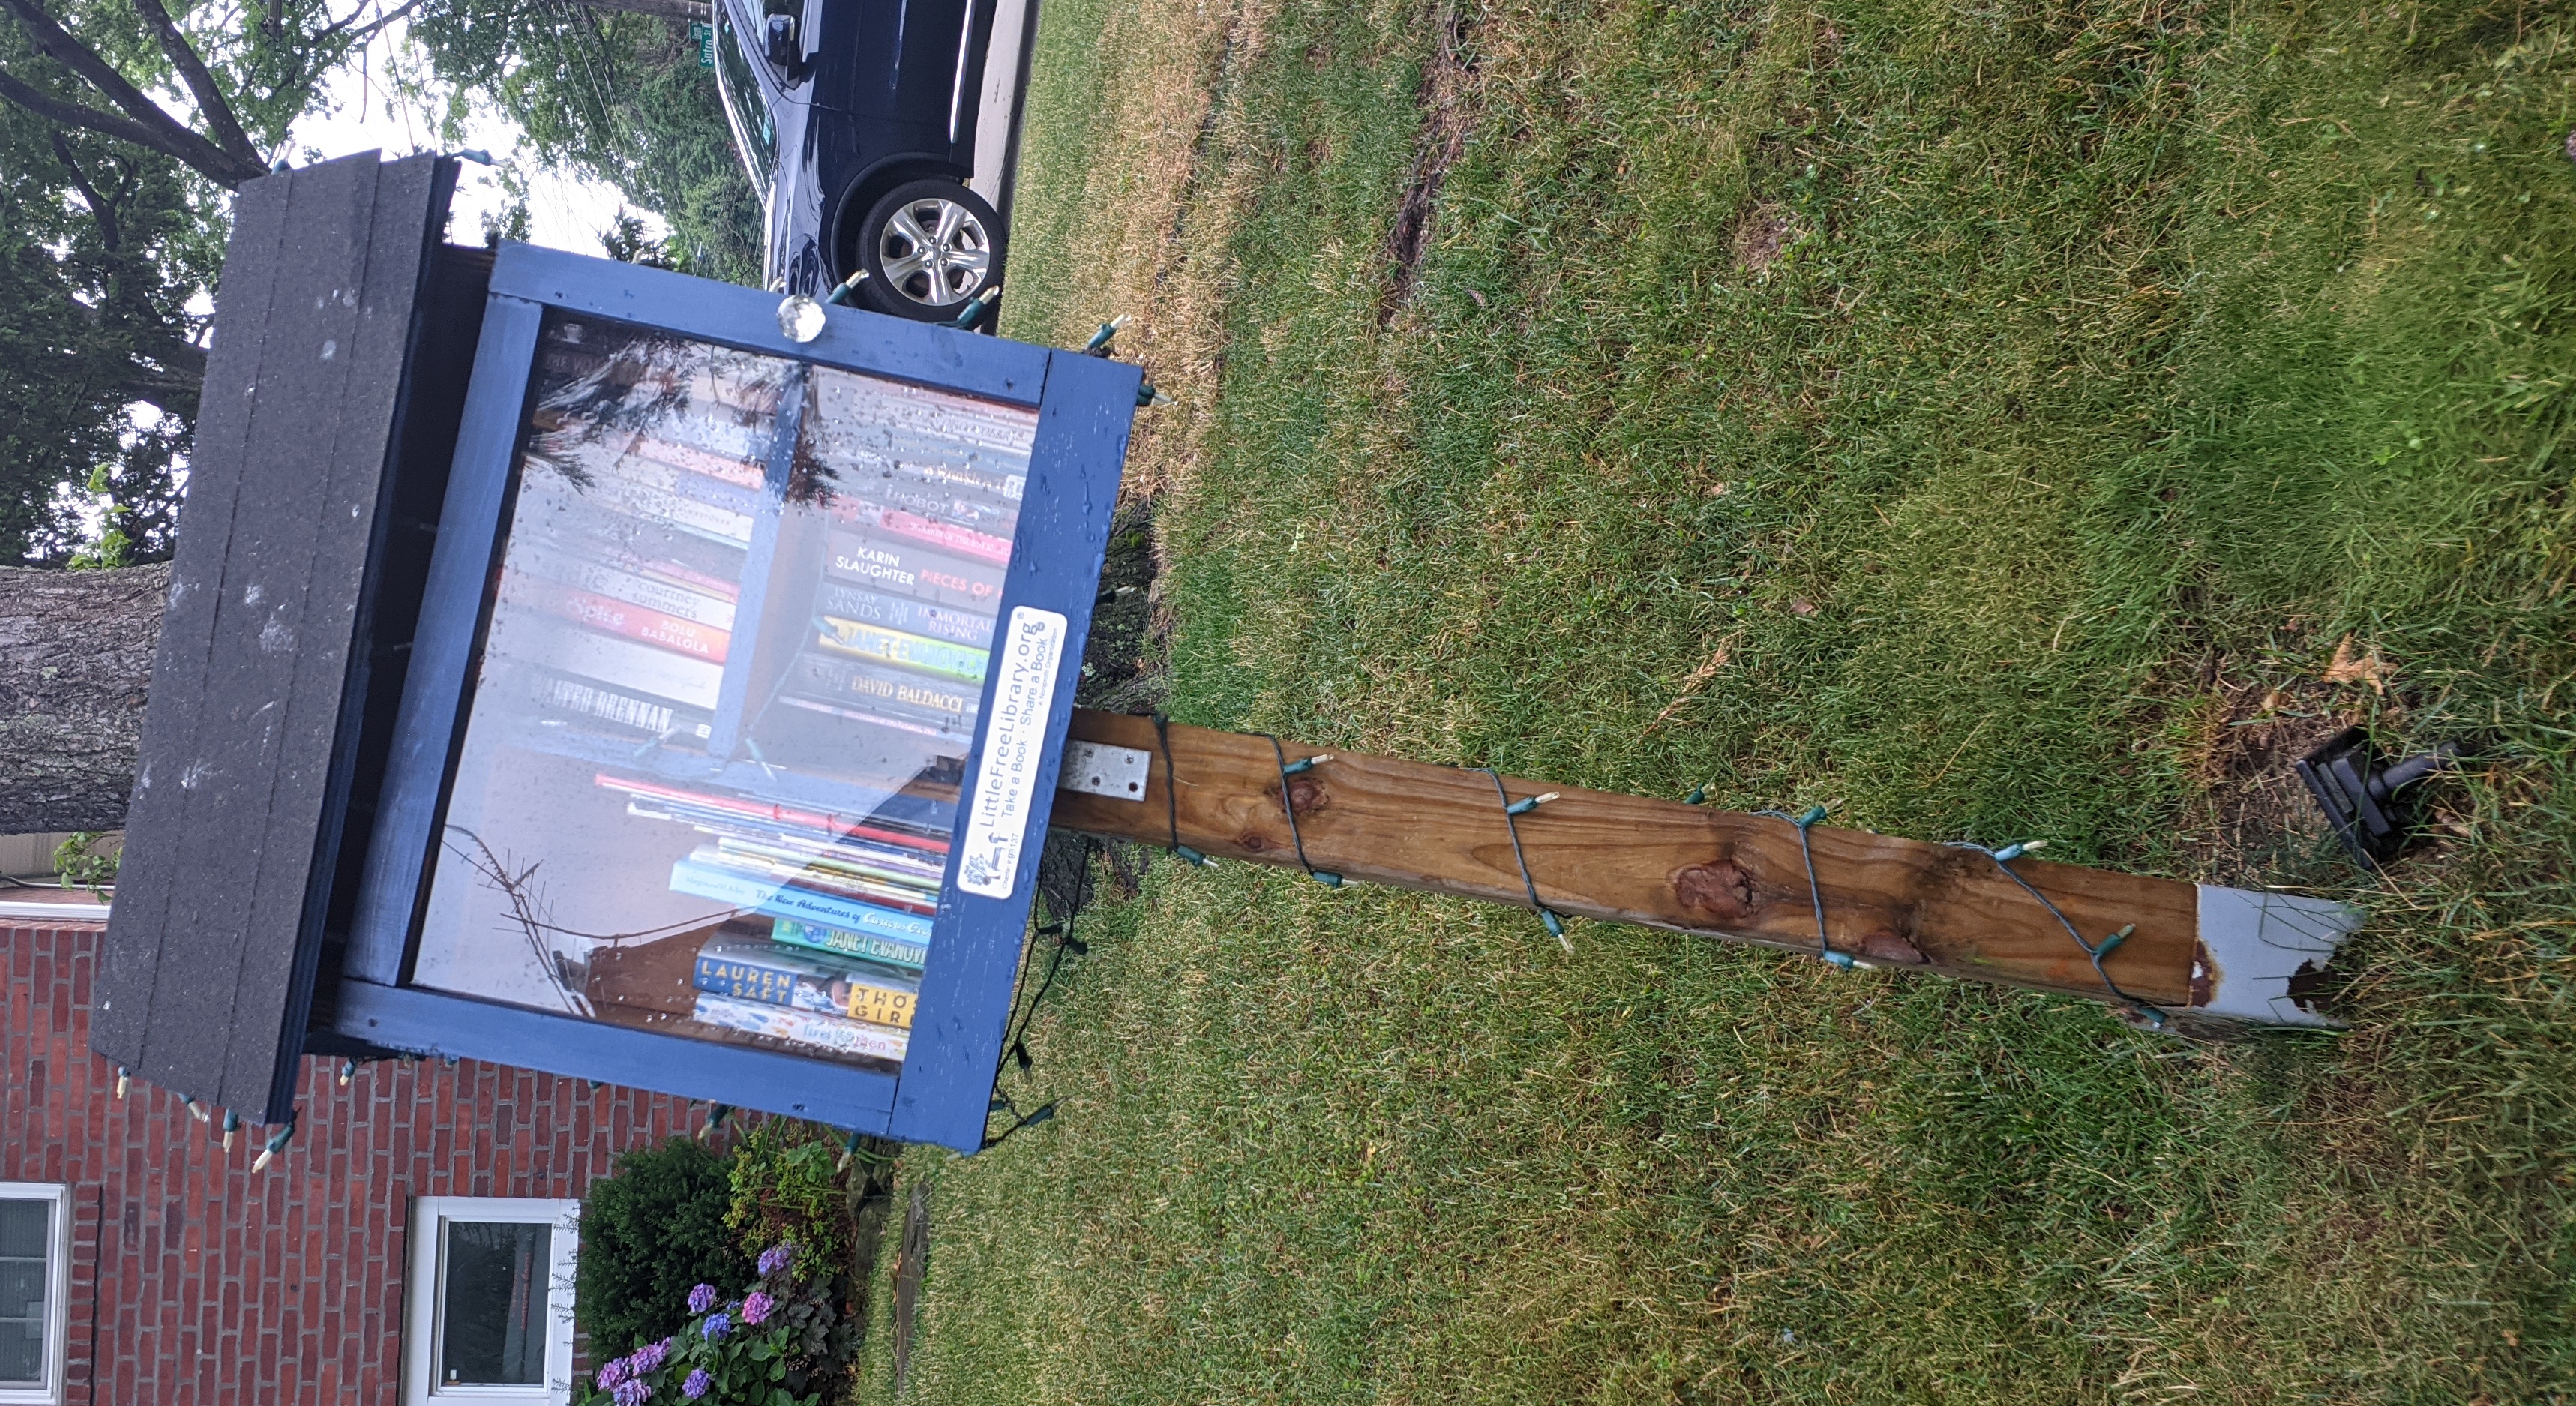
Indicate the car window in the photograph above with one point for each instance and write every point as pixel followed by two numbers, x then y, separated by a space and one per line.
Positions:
pixel 755 131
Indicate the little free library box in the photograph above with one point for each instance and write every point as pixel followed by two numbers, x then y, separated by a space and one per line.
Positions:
pixel 564 667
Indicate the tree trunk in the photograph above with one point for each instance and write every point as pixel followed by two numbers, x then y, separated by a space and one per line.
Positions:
pixel 75 658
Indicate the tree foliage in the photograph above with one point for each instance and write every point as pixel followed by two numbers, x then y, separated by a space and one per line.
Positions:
pixel 616 95
pixel 98 359
pixel 112 215
pixel 125 123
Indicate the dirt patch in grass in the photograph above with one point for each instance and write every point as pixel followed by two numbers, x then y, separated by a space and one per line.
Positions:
pixel 871 1201
pixel 2257 818
pixel 911 1257
pixel 1761 237
pixel 1121 661
pixel 1445 121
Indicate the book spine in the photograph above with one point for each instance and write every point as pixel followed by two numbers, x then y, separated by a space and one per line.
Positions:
pixel 680 574
pixel 882 1005
pixel 954 661
pixel 624 709
pixel 860 999
pixel 781 900
pixel 913 527
pixel 751 981
pixel 934 424
pixel 599 540
pixel 637 623
pixel 810 878
pixel 670 599
pixel 940 622
pixel 772 813
pixel 624 513
pixel 874 864
pixel 724 524
pixel 966 541
pixel 892 690
pixel 1007 488
pixel 953 733
pixel 823 937
pixel 726 824
pixel 980 514
pixel 742 473
pixel 683 483
pixel 907 568
pixel 836 1033
pixel 626 664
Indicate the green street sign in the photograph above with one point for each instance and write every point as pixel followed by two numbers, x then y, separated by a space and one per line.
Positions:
pixel 705 34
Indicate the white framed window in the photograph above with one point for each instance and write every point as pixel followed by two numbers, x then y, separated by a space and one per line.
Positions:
pixel 487 1313
pixel 35 1276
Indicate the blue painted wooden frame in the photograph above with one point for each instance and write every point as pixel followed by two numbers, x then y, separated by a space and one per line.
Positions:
pixel 1085 407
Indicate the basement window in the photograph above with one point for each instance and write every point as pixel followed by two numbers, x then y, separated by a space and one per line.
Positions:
pixel 35 1251
pixel 489 1308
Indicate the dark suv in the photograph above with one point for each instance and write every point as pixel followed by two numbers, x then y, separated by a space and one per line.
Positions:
pixel 881 136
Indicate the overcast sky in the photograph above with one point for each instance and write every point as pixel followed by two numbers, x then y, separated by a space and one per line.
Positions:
pixel 367 113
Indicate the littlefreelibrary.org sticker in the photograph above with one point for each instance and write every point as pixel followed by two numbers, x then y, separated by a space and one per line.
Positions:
pixel 1027 656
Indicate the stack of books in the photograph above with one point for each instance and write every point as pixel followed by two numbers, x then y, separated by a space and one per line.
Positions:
pixel 827 904
pixel 775 984
pixel 920 508
pixel 637 500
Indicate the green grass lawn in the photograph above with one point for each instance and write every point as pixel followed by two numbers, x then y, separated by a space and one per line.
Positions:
pixel 1989 420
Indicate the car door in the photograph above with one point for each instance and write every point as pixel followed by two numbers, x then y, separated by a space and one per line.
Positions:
pixel 896 60
pixel 768 106
pixel 757 96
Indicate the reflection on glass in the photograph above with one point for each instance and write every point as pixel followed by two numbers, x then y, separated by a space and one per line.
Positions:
pixel 492 1307
pixel 730 680
pixel 755 131
pixel 26 1234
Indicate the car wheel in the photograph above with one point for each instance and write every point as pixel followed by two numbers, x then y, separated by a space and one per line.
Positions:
pixel 929 247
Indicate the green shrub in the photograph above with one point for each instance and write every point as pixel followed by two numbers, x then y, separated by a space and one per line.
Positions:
pixel 788 1188
pixel 783 1344
pixel 649 1232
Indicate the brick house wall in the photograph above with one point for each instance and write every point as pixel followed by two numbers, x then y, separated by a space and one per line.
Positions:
pixel 195 1281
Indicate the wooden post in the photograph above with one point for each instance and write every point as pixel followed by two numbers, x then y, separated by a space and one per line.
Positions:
pixel 1888 902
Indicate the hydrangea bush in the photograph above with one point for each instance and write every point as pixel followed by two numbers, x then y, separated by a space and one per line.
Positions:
pixel 775 1346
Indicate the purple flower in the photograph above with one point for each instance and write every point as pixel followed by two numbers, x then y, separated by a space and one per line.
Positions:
pixel 716 1326
pixel 630 1393
pixel 757 1307
pixel 697 1384
pixel 648 1357
pixel 776 1258
pixel 615 1370
pixel 702 1298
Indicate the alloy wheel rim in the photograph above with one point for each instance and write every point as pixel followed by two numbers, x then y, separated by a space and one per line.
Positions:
pixel 935 252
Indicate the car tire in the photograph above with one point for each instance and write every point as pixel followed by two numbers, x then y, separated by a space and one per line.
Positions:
pixel 929 247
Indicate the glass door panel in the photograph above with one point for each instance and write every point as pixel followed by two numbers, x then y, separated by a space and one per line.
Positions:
pixel 730 677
